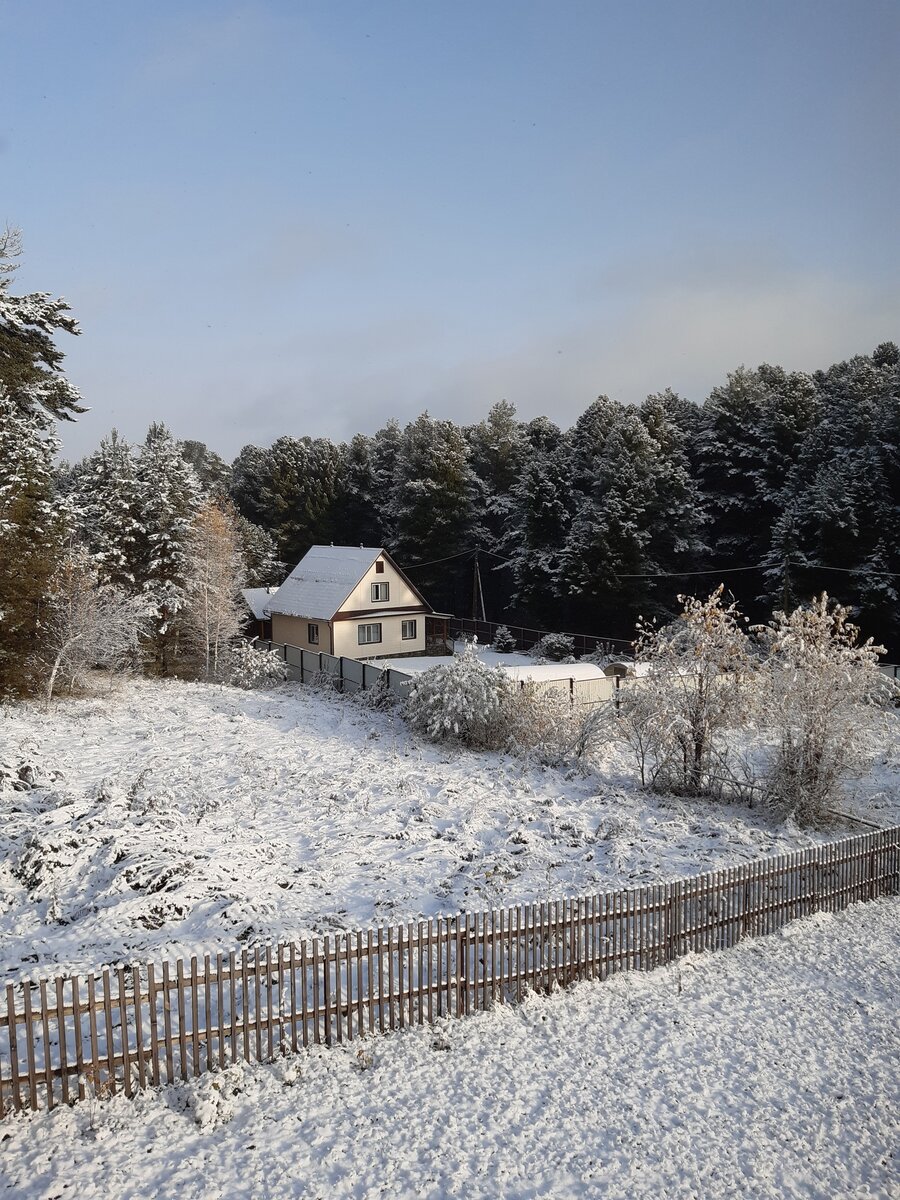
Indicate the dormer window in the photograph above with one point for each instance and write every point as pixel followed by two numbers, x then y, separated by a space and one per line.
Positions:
pixel 380 591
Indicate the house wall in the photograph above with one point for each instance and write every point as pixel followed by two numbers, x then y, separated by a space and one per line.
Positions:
pixel 346 636
pixel 401 594
pixel 293 632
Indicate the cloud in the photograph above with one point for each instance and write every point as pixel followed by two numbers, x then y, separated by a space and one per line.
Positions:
pixel 684 334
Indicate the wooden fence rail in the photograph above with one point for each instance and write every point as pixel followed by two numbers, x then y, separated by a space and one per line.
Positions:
pixel 126 1028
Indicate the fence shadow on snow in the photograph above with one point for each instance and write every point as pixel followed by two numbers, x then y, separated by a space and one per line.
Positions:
pixel 123 1029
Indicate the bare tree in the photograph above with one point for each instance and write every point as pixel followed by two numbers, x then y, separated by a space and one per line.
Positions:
pixel 695 689
pixel 212 616
pixel 822 695
pixel 85 624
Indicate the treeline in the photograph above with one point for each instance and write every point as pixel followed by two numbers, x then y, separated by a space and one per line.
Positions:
pixel 781 484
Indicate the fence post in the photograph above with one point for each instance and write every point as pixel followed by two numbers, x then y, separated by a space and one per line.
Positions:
pixel 341 671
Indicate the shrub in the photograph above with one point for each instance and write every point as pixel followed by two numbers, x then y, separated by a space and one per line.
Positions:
pixel 504 642
pixel 248 667
pixel 540 723
pixel 557 647
pixel 676 716
pixel 822 693
pixel 460 700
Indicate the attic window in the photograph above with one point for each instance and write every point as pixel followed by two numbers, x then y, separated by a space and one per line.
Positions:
pixel 381 591
pixel 379 566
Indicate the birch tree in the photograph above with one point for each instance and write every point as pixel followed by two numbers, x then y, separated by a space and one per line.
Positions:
pixel 86 624
pixel 212 615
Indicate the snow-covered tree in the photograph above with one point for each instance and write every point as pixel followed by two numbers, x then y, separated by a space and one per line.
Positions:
pixel 211 469
pixel 460 701
pixel 86 624
pixel 34 393
pixel 260 554
pixel 697 686
pixel 822 693
pixel 30 361
pixel 212 614
pixel 30 532
pixel 171 497
pixel 250 667
pixel 504 642
pixel 107 502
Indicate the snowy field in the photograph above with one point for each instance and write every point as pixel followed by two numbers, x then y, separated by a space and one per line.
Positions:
pixel 766 1071
pixel 171 818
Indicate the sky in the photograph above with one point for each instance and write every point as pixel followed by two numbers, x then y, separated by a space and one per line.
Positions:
pixel 293 217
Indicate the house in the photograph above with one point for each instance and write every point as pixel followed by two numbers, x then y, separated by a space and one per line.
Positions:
pixel 258 619
pixel 352 601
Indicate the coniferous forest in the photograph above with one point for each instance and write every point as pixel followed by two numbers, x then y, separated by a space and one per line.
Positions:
pixel 779 484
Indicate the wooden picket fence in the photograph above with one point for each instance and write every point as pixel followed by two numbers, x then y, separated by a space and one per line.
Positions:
pixel 126 1028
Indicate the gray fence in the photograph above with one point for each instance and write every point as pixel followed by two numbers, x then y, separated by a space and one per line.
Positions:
pixel 346 674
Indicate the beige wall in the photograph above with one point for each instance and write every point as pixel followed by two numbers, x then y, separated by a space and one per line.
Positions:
pixel 293 632
pixel 401 594
pixel 346 636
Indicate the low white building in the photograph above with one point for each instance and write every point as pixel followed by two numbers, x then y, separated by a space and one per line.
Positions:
pixel 352 601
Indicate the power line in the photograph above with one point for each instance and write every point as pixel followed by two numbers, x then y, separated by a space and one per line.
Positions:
pixel 676 574
pixel 432 561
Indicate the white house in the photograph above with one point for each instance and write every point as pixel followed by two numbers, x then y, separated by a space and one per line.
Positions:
pixel 352 601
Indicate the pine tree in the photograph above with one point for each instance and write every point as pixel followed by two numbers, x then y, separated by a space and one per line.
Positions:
pixel 30 362
pixel 33 394
pixel 107 500
pixel 434 490
pixel 171 498
pixel 30 536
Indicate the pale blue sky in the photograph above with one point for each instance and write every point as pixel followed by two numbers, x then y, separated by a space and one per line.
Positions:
pixel 297 218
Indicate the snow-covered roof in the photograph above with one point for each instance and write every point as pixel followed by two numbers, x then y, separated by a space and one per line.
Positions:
pixel 257 599
pixel 545 671
pixel 322 581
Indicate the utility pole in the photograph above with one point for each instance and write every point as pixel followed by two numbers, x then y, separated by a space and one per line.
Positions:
pixel 478 612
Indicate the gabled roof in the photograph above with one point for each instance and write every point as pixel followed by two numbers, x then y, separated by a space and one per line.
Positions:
pixel 322 581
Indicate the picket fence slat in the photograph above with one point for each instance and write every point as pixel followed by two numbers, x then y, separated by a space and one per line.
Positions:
pixel 123 1028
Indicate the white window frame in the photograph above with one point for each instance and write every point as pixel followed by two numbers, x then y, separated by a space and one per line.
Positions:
pixel 380 592
pixel 312 633
pixel 362 633
pixel 404 625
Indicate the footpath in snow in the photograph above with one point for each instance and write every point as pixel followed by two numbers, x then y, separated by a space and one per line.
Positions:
pixel 765 1071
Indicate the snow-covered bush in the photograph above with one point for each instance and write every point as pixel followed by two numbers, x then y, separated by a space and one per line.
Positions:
pixel 248 667
pixel 85 624
pixel 540 723
pixel 504 642
pixel 557 647
pixel 676 717
pixel 460 701
pixel 822 695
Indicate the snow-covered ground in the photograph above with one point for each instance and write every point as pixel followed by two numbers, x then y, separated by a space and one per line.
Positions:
pixel 189 817
pixel 766 1071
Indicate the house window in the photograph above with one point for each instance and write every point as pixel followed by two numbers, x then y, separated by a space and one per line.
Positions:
pixel 312 634
pixel 369 634
pixel 408 630
pixel 379 567
pixel 381 591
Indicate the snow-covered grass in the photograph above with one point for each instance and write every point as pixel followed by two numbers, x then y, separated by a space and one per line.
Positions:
pixel 189 817
pixel 768 1070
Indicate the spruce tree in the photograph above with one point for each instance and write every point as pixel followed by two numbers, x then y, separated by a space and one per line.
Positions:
pixel 171 496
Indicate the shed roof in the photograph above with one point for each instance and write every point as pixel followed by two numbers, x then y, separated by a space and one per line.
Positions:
pixel 257 600
pixel 322 581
